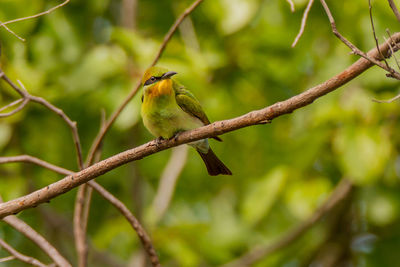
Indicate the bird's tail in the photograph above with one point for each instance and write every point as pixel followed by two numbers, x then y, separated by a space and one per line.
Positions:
pixel 214 165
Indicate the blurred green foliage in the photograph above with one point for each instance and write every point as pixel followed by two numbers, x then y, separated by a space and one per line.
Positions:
pixel 235 56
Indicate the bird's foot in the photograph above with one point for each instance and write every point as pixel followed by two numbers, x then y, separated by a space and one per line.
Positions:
pixel 175 137
pixel 159 141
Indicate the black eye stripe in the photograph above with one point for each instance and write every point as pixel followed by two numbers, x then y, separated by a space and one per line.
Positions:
pixel 152 79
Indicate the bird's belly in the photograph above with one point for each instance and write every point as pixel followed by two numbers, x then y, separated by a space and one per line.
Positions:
pixel 169 121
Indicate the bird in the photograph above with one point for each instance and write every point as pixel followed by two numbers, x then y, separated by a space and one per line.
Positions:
pixel 168 109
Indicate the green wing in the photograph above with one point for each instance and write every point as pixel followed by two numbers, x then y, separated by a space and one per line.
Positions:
pixel 188 103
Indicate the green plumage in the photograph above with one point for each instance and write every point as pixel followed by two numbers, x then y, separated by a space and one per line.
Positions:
pixel 168 108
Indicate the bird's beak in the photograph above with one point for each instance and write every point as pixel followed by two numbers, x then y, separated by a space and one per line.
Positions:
pixel 168 74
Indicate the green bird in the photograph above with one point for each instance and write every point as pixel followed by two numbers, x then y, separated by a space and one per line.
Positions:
pixel 168 108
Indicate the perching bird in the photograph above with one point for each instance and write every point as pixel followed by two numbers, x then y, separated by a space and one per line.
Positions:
pixel 168 108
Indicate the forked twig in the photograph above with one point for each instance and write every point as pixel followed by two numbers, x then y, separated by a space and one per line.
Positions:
pixel 392 73
pixel 142 234
pixel 38 239
pixel 4 24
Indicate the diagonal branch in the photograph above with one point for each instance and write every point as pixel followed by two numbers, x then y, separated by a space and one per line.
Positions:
pixel 141 232
pixel 17 255
pixel 103 130
pixel 375 60
pixel 341 192
pixel 217 128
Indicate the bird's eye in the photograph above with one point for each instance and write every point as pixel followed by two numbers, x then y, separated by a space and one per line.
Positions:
pixel 153 78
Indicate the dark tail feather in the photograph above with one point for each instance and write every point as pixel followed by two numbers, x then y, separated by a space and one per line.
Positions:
pixel 213 164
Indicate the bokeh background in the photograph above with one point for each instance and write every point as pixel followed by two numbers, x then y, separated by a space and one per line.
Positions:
pixel 235 56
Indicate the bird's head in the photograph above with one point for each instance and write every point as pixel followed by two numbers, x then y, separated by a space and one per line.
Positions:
pixel 156 74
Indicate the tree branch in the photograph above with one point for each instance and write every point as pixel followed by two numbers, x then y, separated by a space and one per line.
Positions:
pixel 39 240
pixel 142 234
pixel 217 128
pixel 3 24
pixel 341 191
pixel 71 124
pixel 19 256
pixel 375 60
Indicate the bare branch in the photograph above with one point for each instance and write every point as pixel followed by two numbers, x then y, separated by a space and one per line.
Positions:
pixel 290 2
pixel 16 102
pixel 39 240
pixel 36 15
pixel 12 32
pixel 387 101
pixel 392 73
pixel 16 255
pixel 19 108
pixel 341 191
pixel 79 227
pixel 303 22
pixel 4 24
pixel 72 124
pixel 110 121
pixel 374 34
pixel 393 49
pixel 143 236
pixel 168 181
pixel 217 128
pixel 394 8
pixel 9 258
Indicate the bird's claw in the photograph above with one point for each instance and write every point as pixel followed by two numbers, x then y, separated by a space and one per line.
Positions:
pixel 175 137
pixel 159 141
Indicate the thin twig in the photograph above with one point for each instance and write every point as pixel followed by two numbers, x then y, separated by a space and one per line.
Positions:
pixel 303 22
pixel 36 15
pixel 19 108
pixel 39 240
pixel 16 255
pixel 103 130
pixel 394 8
pixel 255 117
pixel 12 32
pixel 341 191
pixel 392 73
pixel 290 2
pixel 16 102
pixel 374 33
pixel 9 258
pixel 72 124
pixel 387 101
pixel 4 24
pixel 392 51
pixel 143 236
